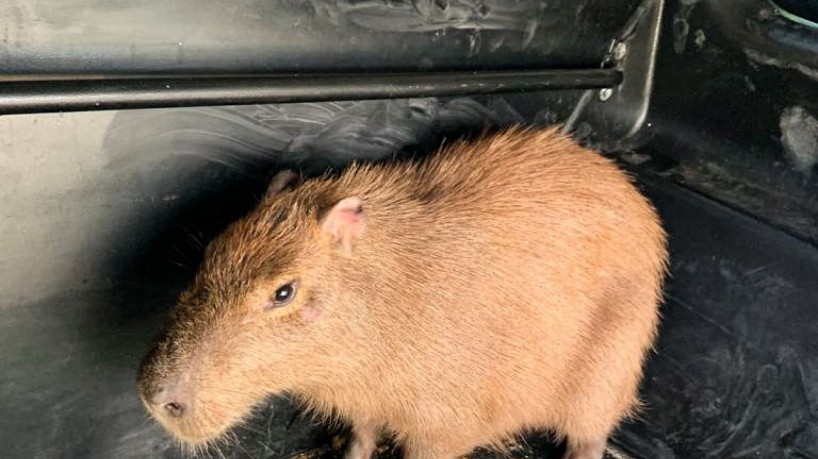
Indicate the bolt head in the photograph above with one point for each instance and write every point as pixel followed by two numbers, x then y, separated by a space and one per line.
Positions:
pixel 619 51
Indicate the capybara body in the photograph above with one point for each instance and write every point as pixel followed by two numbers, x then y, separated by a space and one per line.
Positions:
pixel 502 285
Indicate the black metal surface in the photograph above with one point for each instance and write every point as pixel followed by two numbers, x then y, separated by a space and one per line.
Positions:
pixel 732 121
pixel 735 373
pixel 263 36
pixel 103 94
pixel 735 111
pixel 614 116
pixel 104 213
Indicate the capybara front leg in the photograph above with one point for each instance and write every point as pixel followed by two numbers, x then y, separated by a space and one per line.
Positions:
pixel 364 442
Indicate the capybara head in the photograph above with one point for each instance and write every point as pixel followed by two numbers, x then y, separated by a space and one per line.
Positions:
pixel 257 318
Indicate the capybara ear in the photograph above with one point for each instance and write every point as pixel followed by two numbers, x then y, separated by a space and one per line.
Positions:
pixel 282 180
pixel 345 222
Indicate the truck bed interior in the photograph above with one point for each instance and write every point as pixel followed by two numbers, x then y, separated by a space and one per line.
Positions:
pixel 132 133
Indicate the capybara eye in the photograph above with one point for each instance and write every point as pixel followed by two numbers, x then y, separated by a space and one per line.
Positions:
pixel 283 296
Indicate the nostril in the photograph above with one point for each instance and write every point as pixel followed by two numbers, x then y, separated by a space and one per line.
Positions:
pixel 155 396
pixel 170 400
pixel 174 409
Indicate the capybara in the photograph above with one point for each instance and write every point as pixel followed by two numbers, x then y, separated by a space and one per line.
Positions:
pixel 502 285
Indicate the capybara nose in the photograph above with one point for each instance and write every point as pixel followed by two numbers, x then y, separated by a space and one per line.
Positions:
pixel 174 409
pixel 169 400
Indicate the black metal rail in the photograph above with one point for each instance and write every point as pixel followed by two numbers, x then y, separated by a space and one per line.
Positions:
pixel 54 94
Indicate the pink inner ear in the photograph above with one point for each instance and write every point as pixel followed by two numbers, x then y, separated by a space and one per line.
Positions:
pixel 346 220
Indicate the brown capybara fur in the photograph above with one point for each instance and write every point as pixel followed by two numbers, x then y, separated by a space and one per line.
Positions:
pixel 506 284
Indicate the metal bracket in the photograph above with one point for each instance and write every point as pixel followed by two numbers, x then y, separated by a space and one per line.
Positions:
pixel 617 114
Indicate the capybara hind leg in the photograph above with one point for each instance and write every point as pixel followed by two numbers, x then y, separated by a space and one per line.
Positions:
pixel 364 442
pixel 593 449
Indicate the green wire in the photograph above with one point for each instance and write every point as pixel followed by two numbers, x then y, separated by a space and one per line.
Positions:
pixel 793 17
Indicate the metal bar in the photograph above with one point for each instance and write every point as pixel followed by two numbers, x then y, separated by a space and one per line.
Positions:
pixel 77 93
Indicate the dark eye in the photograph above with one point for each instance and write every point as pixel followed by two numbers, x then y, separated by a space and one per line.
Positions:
pixel 284 295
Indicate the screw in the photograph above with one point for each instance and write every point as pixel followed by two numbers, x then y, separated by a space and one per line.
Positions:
pixel 619 51
pixel 605 94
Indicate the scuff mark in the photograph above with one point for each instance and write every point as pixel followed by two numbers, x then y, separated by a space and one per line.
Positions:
pixel 312 136
pixel 430 15
pixel 749 83
pixel 680 30
pixel 799 136
pixel 497 43
pixel 474 42
pixel 763 59
pixel 699 39
pixel 681 26
pixel 530 32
